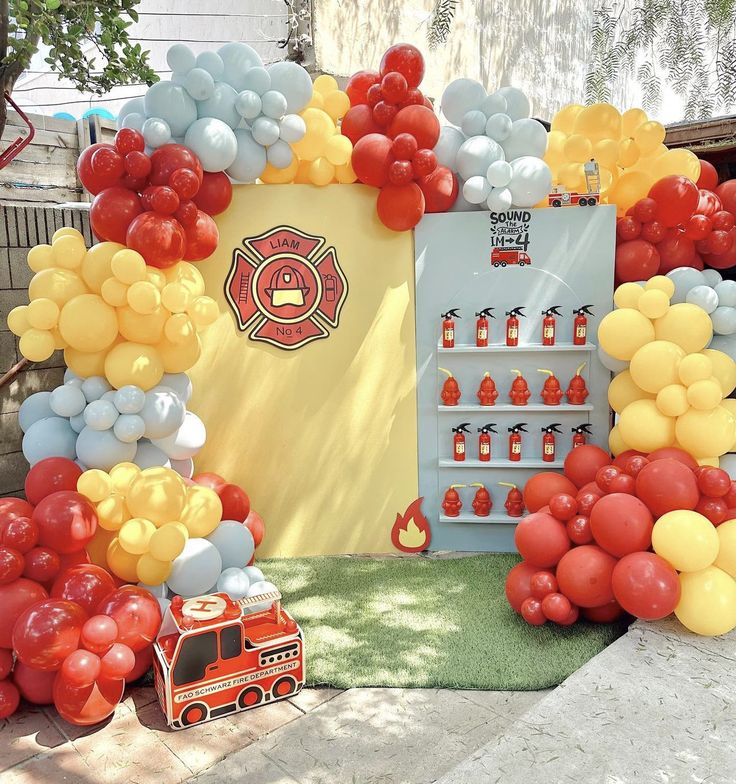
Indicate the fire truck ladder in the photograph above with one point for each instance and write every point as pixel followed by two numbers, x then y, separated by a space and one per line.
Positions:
pixel 270 596
pixel 592 176
pixel 243 288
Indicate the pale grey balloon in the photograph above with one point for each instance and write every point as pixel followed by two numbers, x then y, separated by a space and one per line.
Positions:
pixel 129 428
pixel 248 105
pixel 724 343
pixel 199 84
pixel 292 128
pixel 611 363
pixel 34 408
pixel 129 399
pixel 685 278
pixel 728 464
pixel 214 143
pixel 77 423
pixel 67 401
pixel 196 569
pixel 476 189
pixel 95 387
pixel 234 582
pixel 238 58
pixel 254 574
pixel 461 204
pixel 234 543
pixel 473 123
pixel 180 383
pixel 171 103
pixel 133 106
pixel 726 292
pixel 100 449
pixel 180 58
pixel 499 174
pixel 265 131
pixel 163 412
pixel 49 437
pixel 724 321
pixel 517 104
pixel 156 132
pixel 70 376
pixel 147 455
pixel 527 137
pixel 184 468
pixel 134 121
pixel 186 441
pixel 258 80
pixel 220 105
pixel 460 97
pixel 531 181
pixel 476 155
pixel 273 104
pixel 704 297
pixel 250 161
pixel 712 277
pixel 448 144
pixel 498 127
pixel 100 415
pixel 159 591
pixel 279 154
pixel 212 63
pixel 499 200
pixel 294 82
pixel 494 103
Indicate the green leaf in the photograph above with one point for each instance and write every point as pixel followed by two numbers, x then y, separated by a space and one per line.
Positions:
pixel 52 5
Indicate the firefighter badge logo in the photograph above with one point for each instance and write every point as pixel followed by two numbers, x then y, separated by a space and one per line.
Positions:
pixel 286 287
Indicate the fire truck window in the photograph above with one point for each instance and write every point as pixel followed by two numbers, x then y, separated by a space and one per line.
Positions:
pixel 196 653
pixel 230 642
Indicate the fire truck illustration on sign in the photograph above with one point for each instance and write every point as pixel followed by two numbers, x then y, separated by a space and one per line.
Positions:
pixel 214 656
pixel 563 198
pixel 501 257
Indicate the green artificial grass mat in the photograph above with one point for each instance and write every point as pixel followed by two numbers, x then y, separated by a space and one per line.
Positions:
pixel 425 622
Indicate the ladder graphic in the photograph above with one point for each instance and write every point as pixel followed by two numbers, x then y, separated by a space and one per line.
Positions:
pixel 243 288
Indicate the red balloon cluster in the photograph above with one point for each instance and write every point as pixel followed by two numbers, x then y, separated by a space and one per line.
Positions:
pixel 586 545
pixel 160 205
pixel 393 129
pixel 679 224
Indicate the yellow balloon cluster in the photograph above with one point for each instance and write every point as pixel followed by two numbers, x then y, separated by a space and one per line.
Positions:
pixel 113 315
pixel 628 147
pixel 705 556
pixel 672 393
pixel 145 518
pixel 323 155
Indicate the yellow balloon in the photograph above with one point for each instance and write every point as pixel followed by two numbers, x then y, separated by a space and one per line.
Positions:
pixel 168 541
pixel 188 275
pixel 336 104
pixel 655 365
pixel 320 128
pixel 726 559
pixel 135 534
pixel 704 395
pixel 555 156
pixel 629 188
pixel 317 101
pixel 325 84
pixel 114 292
pixel 59 341
pixel 615 443
pixel 687 325
pixel 679 161
pixel 69 251
pixel 157 494
pixel 112 512
pixel 631 119
pixel 128 266
pixel 599 121
pixel 564 120
pixel 178 357
pixel 88 323
pixel 724 369
pixel 157 277
pixel 706 433
pixel 85 364
pixel 628 153
pixel 653 304
pixel 321 172
pixel 572 176
pixel 644 427
pixel 142 329
pixel 606 152
pixel 338 150
pixel 672 400
pixel 730 405
pixel 151 571
pixel 66 231
pixel 18 320
pixel 627 295
pixel 97 547
pixel 623 332
pixel 143 297
pixel 95 485
pixel 42 313
pixel 695 367
pixel 176 297
pixel 40 258
pixel 134 363
pixel 57 284
pixel 578 148
pixel 707 603
pixel 709 461
pixel 346 174
pixel 302 173
pixel 202 512
pixel 623 390
pixel 122 475
pixel 687 540
pixel 203 311
pixel 273 176
pixel 648 136
pixel 179 328
pixel 121 562
pixel 96 265
pixel 36 345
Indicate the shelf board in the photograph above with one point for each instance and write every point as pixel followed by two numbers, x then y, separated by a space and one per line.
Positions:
pixel 498 348
pixel 507 407
pixel 494 518
pixel 533 462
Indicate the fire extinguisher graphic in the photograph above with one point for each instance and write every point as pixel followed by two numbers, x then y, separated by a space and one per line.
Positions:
pixel 448 328
pixel 484 442
pixel 548 442
pixel 458 441
pixel 580 325
pixel 579 434
pixel 549 325
pixel 515 441
pixel 512 325
pixel 481 327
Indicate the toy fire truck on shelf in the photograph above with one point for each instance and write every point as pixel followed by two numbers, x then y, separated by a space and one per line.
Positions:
pixel 502 257
pixel 214 655
pixel 563 198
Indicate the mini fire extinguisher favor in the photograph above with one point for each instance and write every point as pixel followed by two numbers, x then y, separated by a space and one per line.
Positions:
pixel 458 441
pixel 448 327
pixel 579 434
pixel 484 442
pixel 548 441
pixel 512 325
pixel 580 325
pixel 549 324
pixel 481 327
pixel 515 441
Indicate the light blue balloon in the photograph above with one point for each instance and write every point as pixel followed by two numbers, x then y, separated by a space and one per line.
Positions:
pixel 163 412
pixel 34 408
pixel 95 387
pixel 234 582
pixel 77 423
pixel 476 155
pixel 134 121
pixel 214 143
pixel 492 104
pixel 100 449
pixel 70 375
pixel 279 154
pixel 460 97
pixel 250 160
pixel 248 104
pixel 129 428
pixel 265 131
pixel 238 58
pixel 448 144
pixel 685 278
pixel 180 58
pixel 726 344
pixel 212 63
pixel 50 437
pixel 100 415
pixel 273 104
pixel 724 321
pixel 67 401
pixel 199 84
pixel 704 297
pixel 220 105
pixel 173 104
pixel 712 277
pixel 148 455
pixel 258 80
pixel 473 123
pixel 498 127
pixel 234 543
pixel 129 399
pixel 293 82
pixel 255 575
pixel 156 132
pixel 256 589
pixel 726 291
pixel 133 106
pixel 292 128
pixel 180 383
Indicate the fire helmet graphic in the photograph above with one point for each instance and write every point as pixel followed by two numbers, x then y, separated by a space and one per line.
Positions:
pixel 287 287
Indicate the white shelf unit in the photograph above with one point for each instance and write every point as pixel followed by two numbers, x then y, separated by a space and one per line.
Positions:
pixel 508 408
pixel 497 518
pixel 502 463
pixel 498 348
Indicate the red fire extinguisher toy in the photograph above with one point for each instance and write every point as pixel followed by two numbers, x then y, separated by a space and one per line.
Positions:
pixel 458 441
pixel 515 441
pixel 484 442
pixel 448 328
pixel 481 327
pixel 514 500
pixel 579 434
pixel 580 325
pixel 451 502
pixel 548 442
pixel 549 325
pixel 512 325
pixel 482 503
pixel 450 389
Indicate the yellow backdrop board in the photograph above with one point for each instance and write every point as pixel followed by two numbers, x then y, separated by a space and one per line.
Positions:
pixel 322 437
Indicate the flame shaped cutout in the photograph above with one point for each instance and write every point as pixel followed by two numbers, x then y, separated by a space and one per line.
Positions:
pixel 410 532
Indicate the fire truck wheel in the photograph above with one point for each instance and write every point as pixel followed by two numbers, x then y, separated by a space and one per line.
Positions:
pixel 250 697
pixel 283 687
pixel 583 202
pixel 592 201
pixel 194 713
pixel 557 203
pixel 503 263
pixel 495 264
pixel 522 263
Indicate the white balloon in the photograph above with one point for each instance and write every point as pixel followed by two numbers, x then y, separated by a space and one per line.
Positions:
pixel 685 278
pixel 728 464
pixel 134 121
pixel 186 441
pixel 234 582
pixel 100 449
pixel 446 149
pixel 129 428
pixel 726 292
pixel 517 104
pixel 527 137
pixel 499 174
pixel 498 127
pixel 237 59
pixel 180 383
pixel 292 128
pixel 67 400
pixel 214 143
pixel 173 104
pixel 180 58
pixel 460 97
pixel 293 82
pixel 34 408
pixel 279 154
pixel 184 468
pixel 77 423
pixel 212 63
pixel 100 415
pixel 273 104
pixel 712 277
pixel 133 106
pixel 49 437
pixel 250 160
pixel 494 103
pixel 724 320
pixel 258 80
pixel 248 105
pixel 473 123
pixel 476 155
pixel 499 200
pixel 199 84
pixel 611 363
pixel 531 181
pixel 129 399
pixel 476 189
pixel 147 455
pixel 234 542
pixel 704 297
pixel 461 204
pixel 265 131
pixel 156 132
pixel 254 574
pixel 196 569
pixel 163 412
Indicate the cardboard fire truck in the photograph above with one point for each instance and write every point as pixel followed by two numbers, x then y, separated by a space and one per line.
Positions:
pixel 562 198
pixel 214 656
pixel 501 257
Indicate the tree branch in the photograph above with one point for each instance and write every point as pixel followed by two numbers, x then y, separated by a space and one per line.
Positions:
pixel 4 28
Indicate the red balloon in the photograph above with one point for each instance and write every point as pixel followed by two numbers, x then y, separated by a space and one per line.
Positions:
pixel 730 497
pixel 724 260
pixel 107 163
pixel 86 584
pixel 86 705
pixel 541 540
pixel 708 175
pixel 628 228
pixel 420 122
pixel 15 599
pixel 143 661
pixel 235 503
pixel 42 564
pixel 542 583
pixel 587 500
pixel 20 533
pixel 666 485
pixel 35 686
pixel 424 162
pixel 645 210
pixel 621 524
pixel 621 459
pixel 118 662
pixel 677 199
pixel 518 584
pixel 653 232
pixel 698 227
pixel 556 607
pixel 371 159
pixel 359 84
pixel 167 159
pixel 254 523
pixel 400 207
pixel 415 96
pixel 605 475
pixel 137 614
pixel 578 529
pixel 634 465
pixel 623 483
pixel 164 199
pixel 677 251
pixel 209 479
pixel 160 239
pixel 11 508
pixel 184 182
pixel 6 662
pixel 129 140
pixel 606 613
pixel 384 113
pixel 73 559
pixel 531 612
pixel 46 633
pixel 646 586
pixel 715 509
pixel 202 238
pixel 137 165
pixel 708 203
pixel 215 193
pixel 112 212
pixel 404 147
pixel 572 616
pixel 400 172
pixel 673 453
pixel 726 192
pixel 358 122
pixel 723 221
pixel 394 87
pixel 9 699
pixel 584 575
pixel 99 633
pixel 12 564
pixel 407 60
pixel 542 486
pixel 50 475
pixel 95 181
pixel 563 506
pixel 374 94
pixel 582 464
pixel 66 521
pixel 440 189
pixel 80 668
pixel 719 242
pixel 714 482
pixel 187 214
